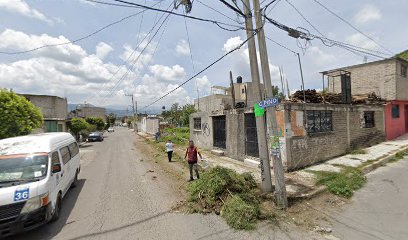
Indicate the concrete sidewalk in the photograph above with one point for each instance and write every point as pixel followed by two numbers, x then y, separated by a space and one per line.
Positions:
pixel 302 183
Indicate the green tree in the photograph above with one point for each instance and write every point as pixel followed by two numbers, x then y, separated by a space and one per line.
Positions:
pixel 78 125
pixel 111 119
pixel 18 116
pixel 186 111
pixel 277 93
pixel 98 122
pixel 403 55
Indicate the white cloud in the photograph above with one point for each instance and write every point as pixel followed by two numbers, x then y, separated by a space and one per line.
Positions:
pixel 203 84
pixel 183 48
pixel 368 13
pixel 232 43
pixel 102 50
pixel 320 57
pixel 166 73
pixel 360 40
pixel 21 7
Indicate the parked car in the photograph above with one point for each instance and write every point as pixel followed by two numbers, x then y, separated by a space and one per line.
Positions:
pixel 36 171
pixel 111 129
pixel 95 136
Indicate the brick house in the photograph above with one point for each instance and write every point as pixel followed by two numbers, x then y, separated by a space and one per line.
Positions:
pixel 54 110
pixel 308 133
pixel 88 110
pixel 386 78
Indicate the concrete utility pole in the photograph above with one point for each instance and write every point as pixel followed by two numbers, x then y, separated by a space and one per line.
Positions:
pixel 260 121
pixel 134 112
pixel 275 154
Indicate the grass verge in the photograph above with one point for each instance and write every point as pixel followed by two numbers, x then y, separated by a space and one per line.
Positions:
pixel 358 151
pixel 343 183
pixel 224 191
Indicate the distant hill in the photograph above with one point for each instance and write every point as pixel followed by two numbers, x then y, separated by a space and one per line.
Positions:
pixel 117 110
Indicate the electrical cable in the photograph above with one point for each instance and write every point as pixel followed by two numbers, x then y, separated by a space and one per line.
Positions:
pixel 78 39
pixel 237 10
pixel 290 50
pixel 138 57
pixel 328 42
pixel 352 26
pixel 133 52
pixel 203 70
pixel 215 10
pixel 218 23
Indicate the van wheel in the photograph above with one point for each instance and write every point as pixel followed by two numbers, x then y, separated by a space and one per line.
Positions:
pixel 57 209
pixel 75 181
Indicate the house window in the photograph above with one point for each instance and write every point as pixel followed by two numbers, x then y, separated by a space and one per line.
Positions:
pixel 403 71
pixel 369 119
pixel 319 121
pixel 243 90
pixel 395 111
pixel 197 123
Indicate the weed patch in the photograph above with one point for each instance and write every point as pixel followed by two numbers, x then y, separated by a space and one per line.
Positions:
pixel 176 135
pixel 344 183
pixel 239 214
pixel 358 151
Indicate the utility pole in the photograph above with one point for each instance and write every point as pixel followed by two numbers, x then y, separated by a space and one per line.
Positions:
pixel 136 117
pixel 134 112
pixel 301 76
pixel 274 152
pixel 232 90
pixel 260 121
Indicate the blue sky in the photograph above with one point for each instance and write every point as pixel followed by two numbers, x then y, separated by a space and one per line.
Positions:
pixel 84 71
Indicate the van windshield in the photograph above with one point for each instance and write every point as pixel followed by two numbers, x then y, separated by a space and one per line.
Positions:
pixel 22 168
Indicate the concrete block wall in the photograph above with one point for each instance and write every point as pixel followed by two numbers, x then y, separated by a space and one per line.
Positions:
pixel 402 82
pixel 203 137
pixel 378 77
pixel 235 133
pixel 305 150
pixel 52 107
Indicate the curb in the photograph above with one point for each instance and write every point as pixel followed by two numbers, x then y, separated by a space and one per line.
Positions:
pixel 369 168
pixel 365 170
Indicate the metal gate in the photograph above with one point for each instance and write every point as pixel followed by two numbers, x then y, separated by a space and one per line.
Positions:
pixel 219 132
pixel 251 138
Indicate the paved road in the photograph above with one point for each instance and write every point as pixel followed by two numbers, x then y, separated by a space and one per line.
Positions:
pixel 119 198
pixel 379 210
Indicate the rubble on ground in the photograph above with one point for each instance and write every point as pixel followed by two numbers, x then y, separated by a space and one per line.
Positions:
pixel 312 96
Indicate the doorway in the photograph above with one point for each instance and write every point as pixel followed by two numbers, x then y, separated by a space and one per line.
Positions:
pixel 406 118
pixel 251 137
pixel 219 132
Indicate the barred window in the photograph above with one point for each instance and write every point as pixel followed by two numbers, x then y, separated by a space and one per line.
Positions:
pixel 319 121
pixel 395 111
pixel 197 123
pixel 403 71
pixel 369 119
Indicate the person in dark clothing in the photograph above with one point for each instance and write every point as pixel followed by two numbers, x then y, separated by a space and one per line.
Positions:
pixel 192 159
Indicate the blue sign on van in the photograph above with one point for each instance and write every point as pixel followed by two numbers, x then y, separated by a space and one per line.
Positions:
pixel 22 194
pixel 269 102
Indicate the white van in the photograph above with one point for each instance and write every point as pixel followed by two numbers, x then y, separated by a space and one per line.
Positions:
pixel 36 172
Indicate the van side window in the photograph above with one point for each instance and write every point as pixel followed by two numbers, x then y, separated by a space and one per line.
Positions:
pixel 73 149
pixel 65 155
pixel 55 158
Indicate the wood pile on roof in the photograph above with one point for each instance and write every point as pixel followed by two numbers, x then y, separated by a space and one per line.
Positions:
pixel 312 96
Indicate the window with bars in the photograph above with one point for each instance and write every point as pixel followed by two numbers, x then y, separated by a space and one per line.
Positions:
pixel 369 119
pixel 403 71
pixel 197 123
pixel 395 111
pixel 319 121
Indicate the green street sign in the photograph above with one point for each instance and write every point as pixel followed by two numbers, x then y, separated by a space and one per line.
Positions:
pixel 259 112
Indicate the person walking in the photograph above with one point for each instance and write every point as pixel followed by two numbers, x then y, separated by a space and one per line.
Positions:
pixel 169 149
pixel 192 159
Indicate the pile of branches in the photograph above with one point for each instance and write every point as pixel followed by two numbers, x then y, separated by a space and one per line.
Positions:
pixel 312 96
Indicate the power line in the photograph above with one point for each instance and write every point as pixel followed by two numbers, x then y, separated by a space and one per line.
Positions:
pixel 328 42
pixel 237 10
pixel 138 57
pixel 195 75
pixel 131 55
pixel 215 10
pixel 290 50
pixel 76 40
pixel 352 26
pixel 218 23
pixel 304 18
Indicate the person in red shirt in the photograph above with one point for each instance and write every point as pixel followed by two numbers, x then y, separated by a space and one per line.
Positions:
pixel 192 159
